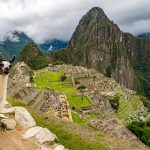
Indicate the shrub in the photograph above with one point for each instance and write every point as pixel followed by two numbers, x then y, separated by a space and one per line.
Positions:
pixel 115 103
pixel 141 130
pixel 58 63
pixel 77 82
pixel 81 87
pixel 63 77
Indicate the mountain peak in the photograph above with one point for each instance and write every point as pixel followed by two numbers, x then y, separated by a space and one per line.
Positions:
pixel 96 9
pixel 95 14
pixel 12 36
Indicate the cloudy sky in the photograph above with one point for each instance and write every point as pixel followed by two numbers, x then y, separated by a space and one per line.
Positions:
pixel 49 19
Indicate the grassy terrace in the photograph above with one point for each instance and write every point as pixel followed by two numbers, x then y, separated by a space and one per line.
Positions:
pixel 46 79
pixel 78 101
pixel 78 119
pixel 128 103
pixel 73 137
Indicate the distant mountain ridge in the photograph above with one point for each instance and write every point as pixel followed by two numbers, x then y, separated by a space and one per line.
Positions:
pixel 14 41
pixel 144 35
pixel 53 45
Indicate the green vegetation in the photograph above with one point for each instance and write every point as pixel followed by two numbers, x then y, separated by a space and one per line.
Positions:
pixel 70 136
pixel 109 71
pixel 16 102
pixel 63 77
pixel 33 57
pixel 95 114
pixel 128 103
pixel 78 101
pixel 142 71
pixel 77 119
pixel 146 102
pixel 62 56
pixel 115 103
pixel 62 83
pixel 82 87
pixel 45 79
pixel 141 130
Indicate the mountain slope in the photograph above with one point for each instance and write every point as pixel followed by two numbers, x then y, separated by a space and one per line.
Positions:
pixel 32 56
pixel 138 50
pixel 13 43
pixel 99 43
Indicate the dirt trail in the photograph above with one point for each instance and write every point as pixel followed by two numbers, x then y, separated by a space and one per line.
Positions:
pixel 12 140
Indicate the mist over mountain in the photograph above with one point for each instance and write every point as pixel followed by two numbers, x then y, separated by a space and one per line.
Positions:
pixel 14 41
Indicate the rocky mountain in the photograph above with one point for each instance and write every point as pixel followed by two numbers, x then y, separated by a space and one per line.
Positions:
pixel 32 55
pixel 53 45
pixel 13 42
pixel 99 43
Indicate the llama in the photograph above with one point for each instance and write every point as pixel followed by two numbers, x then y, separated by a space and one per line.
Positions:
pixel 4 71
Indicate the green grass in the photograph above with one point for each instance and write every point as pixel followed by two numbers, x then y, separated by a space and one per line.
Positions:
pixel 16 102
pixel 69 136
pixel 141 130
pixel 31 102
pixel 95 114
pixel 128 103
pixel 77 119
pixel 77 102
pixel 45 79
pixel 52 80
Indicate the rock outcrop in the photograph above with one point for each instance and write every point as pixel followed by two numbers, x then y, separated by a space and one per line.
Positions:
pixel 24 118
pixel 23 123
pixel 8 124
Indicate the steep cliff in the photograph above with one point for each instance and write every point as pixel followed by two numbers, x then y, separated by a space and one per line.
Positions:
pixel 138 51
pixel 98 43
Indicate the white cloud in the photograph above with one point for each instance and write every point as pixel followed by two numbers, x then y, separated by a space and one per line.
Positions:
pixel 49 19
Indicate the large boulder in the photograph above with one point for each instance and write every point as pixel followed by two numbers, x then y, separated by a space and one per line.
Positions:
pixel 2 116
pixel 31 132
pixel 41 134
pixel 8 124
pixel 45 135
pixel 59 147
pixel 8 110
pixel 24 118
